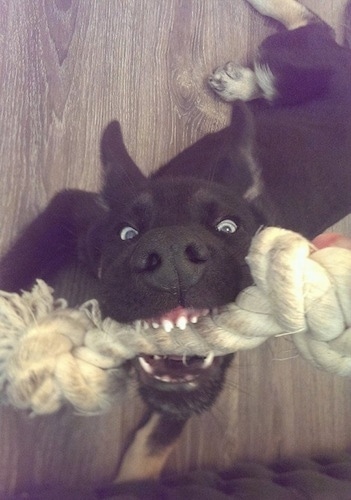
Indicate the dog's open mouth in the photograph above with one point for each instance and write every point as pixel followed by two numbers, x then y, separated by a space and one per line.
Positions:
pixel 174 371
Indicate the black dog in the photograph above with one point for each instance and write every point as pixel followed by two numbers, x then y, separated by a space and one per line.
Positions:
pixel 171 248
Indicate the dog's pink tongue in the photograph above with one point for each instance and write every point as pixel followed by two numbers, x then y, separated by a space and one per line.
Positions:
pixel 332 240
pixel 176 313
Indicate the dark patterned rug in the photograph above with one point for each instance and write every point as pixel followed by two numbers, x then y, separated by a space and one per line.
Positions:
pixel 294 479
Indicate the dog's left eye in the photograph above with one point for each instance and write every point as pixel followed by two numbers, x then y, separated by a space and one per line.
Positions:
pixel 227 226
pixel 128 233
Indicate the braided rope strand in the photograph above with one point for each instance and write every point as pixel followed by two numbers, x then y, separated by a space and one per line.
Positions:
pixel 51 355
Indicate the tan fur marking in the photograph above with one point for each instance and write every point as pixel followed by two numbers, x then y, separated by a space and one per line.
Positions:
pixel 288 12
pixel 139 462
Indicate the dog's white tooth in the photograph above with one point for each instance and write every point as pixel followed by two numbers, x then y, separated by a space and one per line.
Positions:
pixel 157 357
pixel 163 378
pixel 145 365
pixel 155 325
pixel 182 322
pixel 167 325
pixel 208 360
pixel 194 319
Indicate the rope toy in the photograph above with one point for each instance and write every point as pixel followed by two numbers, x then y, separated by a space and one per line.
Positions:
pixel 51 355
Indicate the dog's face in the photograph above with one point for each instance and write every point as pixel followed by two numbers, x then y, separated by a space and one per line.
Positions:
pixel 173 250
pixel 176 253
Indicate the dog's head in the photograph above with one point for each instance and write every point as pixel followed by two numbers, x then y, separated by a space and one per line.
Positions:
pixel 172 249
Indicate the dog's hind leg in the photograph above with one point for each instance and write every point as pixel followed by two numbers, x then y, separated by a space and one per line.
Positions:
pixel 290 13
pixel 292 66
pixel 152 444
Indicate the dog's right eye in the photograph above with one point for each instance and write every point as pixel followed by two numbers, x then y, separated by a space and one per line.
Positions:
pixel 227 226
pixel 128 233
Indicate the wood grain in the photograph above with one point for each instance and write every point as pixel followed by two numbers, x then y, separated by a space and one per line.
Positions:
pixel 67 67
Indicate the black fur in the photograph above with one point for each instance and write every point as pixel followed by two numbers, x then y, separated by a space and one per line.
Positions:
pixel 285 164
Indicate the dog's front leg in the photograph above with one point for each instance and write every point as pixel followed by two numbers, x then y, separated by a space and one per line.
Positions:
pixel 150 449
pixel 54 239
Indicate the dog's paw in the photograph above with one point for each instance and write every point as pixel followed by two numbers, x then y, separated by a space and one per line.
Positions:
pixel 232 82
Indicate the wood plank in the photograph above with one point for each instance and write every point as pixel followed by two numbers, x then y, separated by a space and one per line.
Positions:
pixel 68 67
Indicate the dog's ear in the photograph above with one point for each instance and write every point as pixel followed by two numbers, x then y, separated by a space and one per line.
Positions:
pixel 236 164
pixel 122 178
pixel 226 157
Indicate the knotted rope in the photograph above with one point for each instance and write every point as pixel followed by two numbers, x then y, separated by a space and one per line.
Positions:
pixel 51 354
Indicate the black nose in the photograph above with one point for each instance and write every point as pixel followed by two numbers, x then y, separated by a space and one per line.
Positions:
pixel 171 259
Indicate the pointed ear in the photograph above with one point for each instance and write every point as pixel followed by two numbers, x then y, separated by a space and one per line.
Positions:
pixel 241 125
pixel 226 156
pixel 236 162
pixel 122 177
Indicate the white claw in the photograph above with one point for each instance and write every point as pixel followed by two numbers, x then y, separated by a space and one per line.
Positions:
pixel 208 360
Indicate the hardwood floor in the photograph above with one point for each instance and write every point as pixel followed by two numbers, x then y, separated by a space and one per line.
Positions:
pixel 67 68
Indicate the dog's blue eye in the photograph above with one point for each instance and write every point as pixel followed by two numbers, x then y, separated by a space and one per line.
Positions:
pixel 128 232
pixel 227 226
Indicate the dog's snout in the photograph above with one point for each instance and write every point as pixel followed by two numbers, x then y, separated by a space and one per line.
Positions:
pixel 175 262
